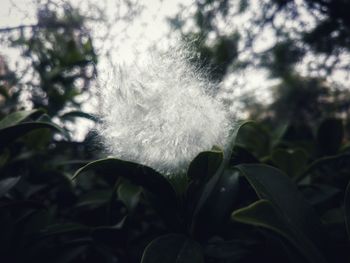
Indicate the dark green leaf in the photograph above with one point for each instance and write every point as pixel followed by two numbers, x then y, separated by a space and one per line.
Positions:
pixel 208 188
pixel 172 248
pixel 330 136
pixel 7 183
pixel 254 138
pixel 137 174
pixel 272 184
pixel 79 114
pixel 220 203
pixel 292 162
pixel 94 198
pixel 61 229
pixel 322 170
pixel 108 235
pixel 14 132
pixel 320 196
pixel 241 155
pixel 205 165
pixel 201 169
pixel 18 116
pixel 129 194
pixel 69 254
pixel 228 251
pixel 158 189
pixel 264 214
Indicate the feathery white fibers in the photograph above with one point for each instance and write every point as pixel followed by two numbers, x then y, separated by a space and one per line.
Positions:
pixel 162 113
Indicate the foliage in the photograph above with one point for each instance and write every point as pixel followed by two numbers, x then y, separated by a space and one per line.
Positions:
pixel 286 199
pixel 61 60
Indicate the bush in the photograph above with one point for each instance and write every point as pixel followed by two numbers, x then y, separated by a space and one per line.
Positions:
pixel 277 196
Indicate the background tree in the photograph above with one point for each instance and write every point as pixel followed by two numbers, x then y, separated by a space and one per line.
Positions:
pixel 310 44
pixel 61 58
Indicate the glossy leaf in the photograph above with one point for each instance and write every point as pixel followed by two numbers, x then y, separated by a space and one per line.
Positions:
pixel 322 170
pixel 94 198
pixel 18 116
pixel 242 155
pixel 254 138
pixel 272 184
pixel 11 133
pixel 172 248
pixel 129 194
pixel 320 196
pixel 137 174
pixel 61 229
pixel 8 183
pixel 79 114
pixel 219 205
pixel 205 164
pixel 292 162
pixel 201 169
pixel 157 188
pixel 208 188
pixel 263 214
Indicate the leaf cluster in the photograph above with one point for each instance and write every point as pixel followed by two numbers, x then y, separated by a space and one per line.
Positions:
pixel 278 194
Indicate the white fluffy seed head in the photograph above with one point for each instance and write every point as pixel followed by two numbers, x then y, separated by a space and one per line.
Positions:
pixel 161 113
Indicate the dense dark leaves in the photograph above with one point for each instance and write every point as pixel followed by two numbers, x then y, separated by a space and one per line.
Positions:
pixel 173 249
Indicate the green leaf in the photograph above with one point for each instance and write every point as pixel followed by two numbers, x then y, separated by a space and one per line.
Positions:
pixel 264 214
pixel 228 250
pixel 272 184
pixel 158 189
pixel 36 221
pixel 172 248
pixel 7 184
pixel 70 253
pixel 94 198
pixel 292 162
pixel 241 155
pixel 347 209
pixel 322 170
pixel 330 135
pixel 18 116
pixel 129 194
pixel 299 136
pixel 279 132
pixel 254 138
pixel 201 169
pixel 61 229
pixel 219 205
pixel 205 164
pixel 320 196
pixel 14 132
pixel 80 114
pixel 109 235
pixel 137 174
pixel 4 157
pixel 208 188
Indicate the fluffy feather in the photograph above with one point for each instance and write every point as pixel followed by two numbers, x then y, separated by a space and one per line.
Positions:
pixel 162 113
